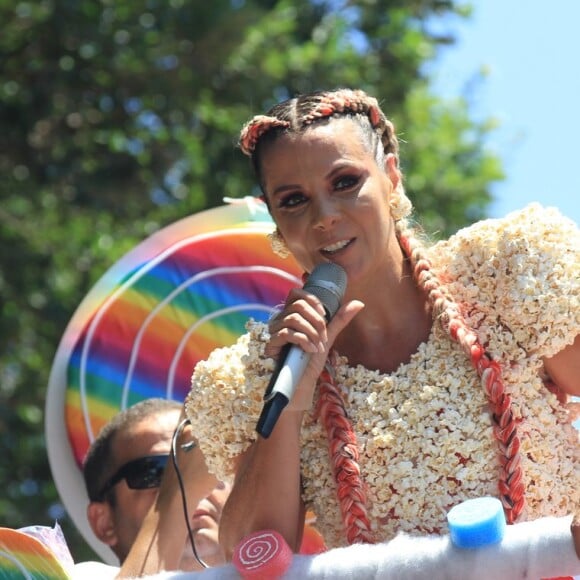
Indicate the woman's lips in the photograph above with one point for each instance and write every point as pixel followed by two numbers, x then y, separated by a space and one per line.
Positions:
pixel 336 247
pixel 199 513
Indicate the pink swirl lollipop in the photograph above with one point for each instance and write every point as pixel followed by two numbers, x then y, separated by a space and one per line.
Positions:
pixel 264 555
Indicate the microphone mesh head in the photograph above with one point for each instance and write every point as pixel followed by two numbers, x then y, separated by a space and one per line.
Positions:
pixel 328 283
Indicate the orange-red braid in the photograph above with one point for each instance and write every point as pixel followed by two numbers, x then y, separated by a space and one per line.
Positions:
pixel 298 113
pixel 346 101
pixel 344 455
pixel 253 130
pixel 511 486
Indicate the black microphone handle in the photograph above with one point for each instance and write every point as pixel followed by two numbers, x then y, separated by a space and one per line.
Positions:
pixel 270 413
pixel 292 363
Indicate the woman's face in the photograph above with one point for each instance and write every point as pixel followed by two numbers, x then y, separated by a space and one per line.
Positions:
pixel 329 197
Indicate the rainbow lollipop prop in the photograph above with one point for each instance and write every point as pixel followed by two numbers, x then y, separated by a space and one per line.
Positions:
pixel 140 331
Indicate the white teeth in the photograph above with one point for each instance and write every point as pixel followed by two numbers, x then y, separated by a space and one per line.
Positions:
pixel 337 246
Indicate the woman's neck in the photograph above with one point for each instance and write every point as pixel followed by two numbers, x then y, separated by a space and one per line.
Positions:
pixel 388 331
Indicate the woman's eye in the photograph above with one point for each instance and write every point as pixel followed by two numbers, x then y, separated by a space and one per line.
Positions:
pixel 346 182
pixel 291 200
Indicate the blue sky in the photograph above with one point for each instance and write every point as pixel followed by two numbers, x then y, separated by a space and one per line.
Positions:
pixel 530 50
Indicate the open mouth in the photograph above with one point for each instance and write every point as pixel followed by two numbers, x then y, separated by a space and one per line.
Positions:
pixel 337 246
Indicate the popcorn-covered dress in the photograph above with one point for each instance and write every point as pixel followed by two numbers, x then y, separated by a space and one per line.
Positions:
pixel 424 431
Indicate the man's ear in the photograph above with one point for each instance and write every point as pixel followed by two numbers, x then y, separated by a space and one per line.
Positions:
pixel 100 519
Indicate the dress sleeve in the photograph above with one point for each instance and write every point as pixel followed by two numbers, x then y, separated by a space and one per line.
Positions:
pixel 520 273
pixel 226 399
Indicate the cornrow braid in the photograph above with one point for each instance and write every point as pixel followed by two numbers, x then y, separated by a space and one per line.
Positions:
pixel 511 487
pixel 344 454
pixel 254 129
pixel 343 102
pixel 297 114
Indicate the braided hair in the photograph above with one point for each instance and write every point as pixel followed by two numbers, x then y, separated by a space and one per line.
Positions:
pixel 294 116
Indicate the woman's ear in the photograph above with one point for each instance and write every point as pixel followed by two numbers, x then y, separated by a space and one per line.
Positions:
pixel 101 522
pixel 392 169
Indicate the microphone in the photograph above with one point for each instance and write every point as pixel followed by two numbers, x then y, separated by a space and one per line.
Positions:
pixel 327 282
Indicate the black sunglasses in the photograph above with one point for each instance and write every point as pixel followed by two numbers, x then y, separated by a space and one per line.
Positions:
pixel 141 473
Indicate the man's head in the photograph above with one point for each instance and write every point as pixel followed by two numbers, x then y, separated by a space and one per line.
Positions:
pixel 116 511
pixel 122 473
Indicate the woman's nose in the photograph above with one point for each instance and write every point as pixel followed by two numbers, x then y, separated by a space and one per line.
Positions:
pixel 327 213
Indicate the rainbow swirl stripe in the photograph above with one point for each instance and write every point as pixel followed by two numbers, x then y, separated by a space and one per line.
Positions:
pixel 23 556
pixel 164 316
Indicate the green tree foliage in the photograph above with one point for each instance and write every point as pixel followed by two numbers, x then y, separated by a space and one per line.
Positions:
pixel 118 117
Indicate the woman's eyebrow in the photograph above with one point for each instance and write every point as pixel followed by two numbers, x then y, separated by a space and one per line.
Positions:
pixel 283 188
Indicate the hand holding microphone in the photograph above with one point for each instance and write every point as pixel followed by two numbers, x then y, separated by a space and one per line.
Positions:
pixel 328 283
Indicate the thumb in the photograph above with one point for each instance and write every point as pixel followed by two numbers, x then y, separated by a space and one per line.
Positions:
pixel 342 318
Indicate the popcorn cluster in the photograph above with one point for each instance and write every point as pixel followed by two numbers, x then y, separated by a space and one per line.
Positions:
pixel 424 431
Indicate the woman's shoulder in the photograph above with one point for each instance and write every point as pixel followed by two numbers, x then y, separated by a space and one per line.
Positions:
pixel 226 397
pixel 234 357
pixel 522 271
pixel 527 242
pixel 543 229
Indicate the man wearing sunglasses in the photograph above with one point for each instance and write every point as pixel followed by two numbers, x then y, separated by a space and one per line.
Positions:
pixel 136 506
